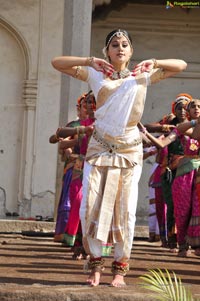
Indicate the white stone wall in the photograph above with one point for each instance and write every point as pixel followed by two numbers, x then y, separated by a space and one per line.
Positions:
pixel 33 33
pixel 35 98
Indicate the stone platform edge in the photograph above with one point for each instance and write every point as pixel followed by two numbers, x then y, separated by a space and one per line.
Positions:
pixel 20 226
pixel 72 293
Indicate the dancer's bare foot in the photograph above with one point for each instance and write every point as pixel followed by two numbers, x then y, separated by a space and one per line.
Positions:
pixel 96 267
pixel 183 253
pixel 173 250
pixel 118 281
pixel 94 278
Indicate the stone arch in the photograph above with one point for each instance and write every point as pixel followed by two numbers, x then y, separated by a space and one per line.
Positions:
pixel 15 62
pixel 20 40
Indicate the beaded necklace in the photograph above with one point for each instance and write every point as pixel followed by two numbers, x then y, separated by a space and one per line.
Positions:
pixel 121 74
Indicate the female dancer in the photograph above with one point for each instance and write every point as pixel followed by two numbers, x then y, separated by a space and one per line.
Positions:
pixel 69 150
pixel 73 231
pixel 174 154
pixel 114 155
pixel 186 201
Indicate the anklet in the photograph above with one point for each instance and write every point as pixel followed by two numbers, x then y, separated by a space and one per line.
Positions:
pixel 119 268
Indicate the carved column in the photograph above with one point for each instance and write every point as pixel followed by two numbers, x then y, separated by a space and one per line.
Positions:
pixel 27 154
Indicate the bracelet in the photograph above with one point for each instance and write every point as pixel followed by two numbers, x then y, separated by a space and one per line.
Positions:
pixel 77 72
pixel 193 122
pixel 89 61
pixel 165 128
pixel 155 63
pixel 143 130
pixel 80 130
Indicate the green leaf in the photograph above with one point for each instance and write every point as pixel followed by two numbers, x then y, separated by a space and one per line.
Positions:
pixel 166 287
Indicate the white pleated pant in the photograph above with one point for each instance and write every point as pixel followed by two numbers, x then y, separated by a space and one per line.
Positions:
pixel 122 249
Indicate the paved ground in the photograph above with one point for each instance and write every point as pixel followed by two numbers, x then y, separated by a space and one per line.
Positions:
pixel 36 268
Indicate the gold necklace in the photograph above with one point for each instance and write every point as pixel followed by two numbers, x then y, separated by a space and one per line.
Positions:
pixel 121 74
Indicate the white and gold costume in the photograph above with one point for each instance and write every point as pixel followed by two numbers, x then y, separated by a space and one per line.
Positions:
pixel 114 162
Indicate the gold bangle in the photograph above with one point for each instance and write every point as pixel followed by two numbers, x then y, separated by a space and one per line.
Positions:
pixel 89 61
pixel 77 72
pixel 155 63
pixel 165 128
pixel 80 130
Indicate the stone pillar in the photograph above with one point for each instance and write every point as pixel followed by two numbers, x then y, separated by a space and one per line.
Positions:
pixel 77 35
pixel 76 42
pixel 27 155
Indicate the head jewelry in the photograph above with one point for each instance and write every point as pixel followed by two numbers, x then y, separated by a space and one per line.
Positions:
pixel 80 100
pixel 118 33
pixel 191 102
pixel 183 98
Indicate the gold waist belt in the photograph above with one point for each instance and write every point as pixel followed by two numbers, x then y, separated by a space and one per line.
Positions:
pixel 113 147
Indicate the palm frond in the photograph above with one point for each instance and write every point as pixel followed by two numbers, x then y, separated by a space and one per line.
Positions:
pixel 165 286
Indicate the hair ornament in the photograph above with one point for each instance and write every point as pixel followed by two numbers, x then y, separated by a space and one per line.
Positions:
pixel 119 34
pixel 104 52
pixel 178 99
pixel 80 99
pixel 194 100
pixel 183 98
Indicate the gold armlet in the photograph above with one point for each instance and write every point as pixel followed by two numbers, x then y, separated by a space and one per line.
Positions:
pixel 77 72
